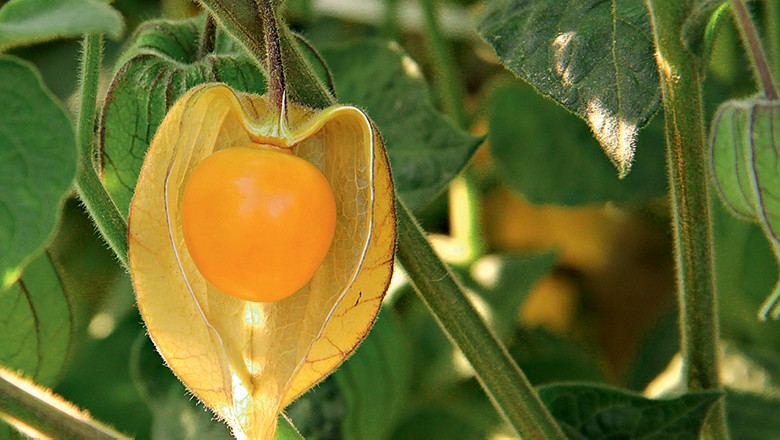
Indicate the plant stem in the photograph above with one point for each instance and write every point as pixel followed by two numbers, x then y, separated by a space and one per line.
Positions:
pixel 101 208
pixel 757 55
pixel 464 202
pixel 29 405
pixel 692 218
pixel 273 49
pixel 207 37
pixel 500 377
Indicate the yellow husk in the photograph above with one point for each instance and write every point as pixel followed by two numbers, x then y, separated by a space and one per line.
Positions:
pixel 246 360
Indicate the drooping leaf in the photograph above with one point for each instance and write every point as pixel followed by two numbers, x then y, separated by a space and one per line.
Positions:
pixel 544 153
pixel 426 149
pixel 702 26
pixel 248 360
pixel 593 57
pixel 35 323
pixel 162 64
pixel 592 411
pixel 383 358
pixel 746 169
pixel 37 165
pixel 24 22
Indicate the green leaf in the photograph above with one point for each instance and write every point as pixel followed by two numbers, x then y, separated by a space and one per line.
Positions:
pixel 38 157
pixel 319 413
pixel 546 357
pixel 24 22
pixel 701 27
pixel 241 19
pixel 752 416
pixel 593 57
pixel 35 323
pixel 543 152
pixel 598 412
pixel 746 169
pixel 383 358
pixel 162 65
pixel 426 149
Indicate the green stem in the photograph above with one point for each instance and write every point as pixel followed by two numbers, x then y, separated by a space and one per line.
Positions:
pixel 101 208
pixel 464 195
pixel 756 50
pixel 503 381
pixel 691 214
pixel 25 403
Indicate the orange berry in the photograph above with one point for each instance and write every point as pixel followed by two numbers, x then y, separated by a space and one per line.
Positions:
pixel 257 221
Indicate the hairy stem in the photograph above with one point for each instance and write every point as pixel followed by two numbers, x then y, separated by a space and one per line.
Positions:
pixel 500 377
pixel 273 54
pixel 26 405
pixel 109 221
pixel 756 50
pixel 691 215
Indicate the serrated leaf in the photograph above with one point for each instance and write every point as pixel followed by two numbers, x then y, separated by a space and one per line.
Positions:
pixel 746 169
pixel 599 412
pixel 543 152
pixel 593 57
pixel 248 360
pixel 383 358
pixel 37 165
pixel 426 149
pixel 25 22
pixel 35 323
pixel 162 64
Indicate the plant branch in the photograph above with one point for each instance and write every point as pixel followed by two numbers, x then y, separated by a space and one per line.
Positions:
pixel 756 50
pixel 500 377
pixel 22 403
pixel 275 67
pixel 207 37
pixel 691 214
pixel 93 194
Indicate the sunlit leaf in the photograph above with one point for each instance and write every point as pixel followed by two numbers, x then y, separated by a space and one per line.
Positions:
pixel 37 165
pixel 746 168
pixel 248 360
pixel 24 22
pixel 162 64
pixel 593 57
pixel 35 323
pixel 592 411
pixel 426 149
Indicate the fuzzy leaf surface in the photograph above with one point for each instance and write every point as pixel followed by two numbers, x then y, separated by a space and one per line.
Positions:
pixel 162 64
pixel 593 57
pixel 426 148
pixel 38 157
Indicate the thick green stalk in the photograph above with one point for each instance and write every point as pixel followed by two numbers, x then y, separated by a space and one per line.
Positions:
pixel 503 381
pixel 101 208
pixel 691 215
pixel 25 403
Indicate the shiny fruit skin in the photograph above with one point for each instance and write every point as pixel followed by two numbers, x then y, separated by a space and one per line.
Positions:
pixel 257 221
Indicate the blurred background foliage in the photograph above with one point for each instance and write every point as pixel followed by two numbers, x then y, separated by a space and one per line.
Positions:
pixel 574 267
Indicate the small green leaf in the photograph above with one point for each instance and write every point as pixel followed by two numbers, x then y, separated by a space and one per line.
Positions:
pixel 162 64
pixel 35 323
pixel 746 169
pixel 383 358
pixel 38 157
pixel 702 26
pixel 591 412
pixel 752 416
pixel 426 149
pixel 24 22
pixel 543 152
pixel 593 57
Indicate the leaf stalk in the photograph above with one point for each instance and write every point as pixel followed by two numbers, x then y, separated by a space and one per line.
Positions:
pixel 747 31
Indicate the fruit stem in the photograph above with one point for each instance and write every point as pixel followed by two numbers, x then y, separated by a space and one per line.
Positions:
pixel 207 37
pixel 508 388
pixel 756 50
pixel 93 194
pixel 275 67
pixel 679 73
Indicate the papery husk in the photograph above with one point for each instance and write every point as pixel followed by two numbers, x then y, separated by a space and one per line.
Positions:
pixel 248 360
